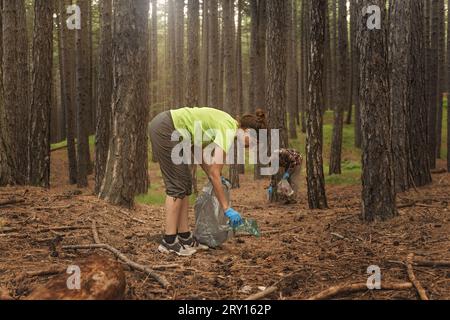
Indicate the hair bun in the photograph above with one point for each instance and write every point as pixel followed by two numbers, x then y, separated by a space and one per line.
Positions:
pixel 262 118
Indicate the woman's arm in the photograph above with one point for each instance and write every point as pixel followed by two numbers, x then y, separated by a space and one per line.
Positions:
pixel 214 172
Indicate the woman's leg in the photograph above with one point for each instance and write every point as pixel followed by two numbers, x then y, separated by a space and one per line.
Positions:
pixel 183 218
pixel 173 209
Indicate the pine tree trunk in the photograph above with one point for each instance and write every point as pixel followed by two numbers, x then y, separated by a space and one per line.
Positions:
pixel 277 12
pixel 82 100
pixel 193 67
pixel 5 133
pixel 12 133
pixel 399 49
pixel 336 145
pixel 214 63
pixel 23 86
pixel 171 38
pixel 41 94
pixel 305 26
pixel 355 8
pixel 154 99
pixel 119 185
pixel 193 64
pixel 179 47
pixel 314 139
pixel 448 90
pixel 434 81
pixel 105 88
pixel 441 78
pixel 205 55
pixel 257 88
pixel 291 101
pixel 143 95
pixel 239 71
pixel 419 166
pixel 67 86
pixel 378 195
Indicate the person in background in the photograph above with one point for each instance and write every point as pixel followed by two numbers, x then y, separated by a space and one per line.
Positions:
pixel 290 170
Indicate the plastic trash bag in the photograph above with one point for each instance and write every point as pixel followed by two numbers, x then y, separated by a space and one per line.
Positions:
pixel 212 228
pixel 284 189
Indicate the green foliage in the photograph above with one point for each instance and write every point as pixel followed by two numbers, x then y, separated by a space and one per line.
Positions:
pixel 63 144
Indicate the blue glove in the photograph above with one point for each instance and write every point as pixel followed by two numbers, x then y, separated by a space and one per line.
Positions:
pixel 224 180
pixel 234 216
pixel 286 176
pixel 270 192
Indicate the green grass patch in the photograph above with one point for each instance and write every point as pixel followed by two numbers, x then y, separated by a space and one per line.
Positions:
pixel 63 144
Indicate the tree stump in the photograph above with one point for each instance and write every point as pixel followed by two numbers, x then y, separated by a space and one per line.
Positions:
pixel 100 279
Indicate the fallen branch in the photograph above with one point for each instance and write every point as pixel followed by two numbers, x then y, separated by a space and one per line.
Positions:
pixel 131 217
pixel 53 208
pixel 439 171
pixel 262 294
pixel 10 202
pixel 95 233
pixel 41 273
pixel 413 279
pixel 280 231
pixel 418 204
pixel 62 228
pixel 160 279
pixel 337 235
pixel 358 287
pixel 272 289
pixel 433 264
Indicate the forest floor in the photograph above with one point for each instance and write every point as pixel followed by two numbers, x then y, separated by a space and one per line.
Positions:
pixel 310 250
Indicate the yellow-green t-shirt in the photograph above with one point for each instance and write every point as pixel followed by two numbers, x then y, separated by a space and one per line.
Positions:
pixel 215 126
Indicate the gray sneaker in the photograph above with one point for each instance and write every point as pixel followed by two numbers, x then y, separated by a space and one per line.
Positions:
pixel 193 243
pixel 176 248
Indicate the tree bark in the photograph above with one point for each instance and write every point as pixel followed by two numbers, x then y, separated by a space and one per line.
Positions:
pixel 355 8
pixel 67 88
pixel 291 105
pixel 41 94
pixel 23 87
pixel 82 99
pixel 448 91
pixel 179 56
pixel 434 81
pixel 214 63
pixel 205 55
pixel 378 195
pixel 258 15
pixel 12 134
pixel 338 127
pixel 400 45
pixel 441 78
pixel 239 71
pixel 154 99
pixel 119 185
pixel 105 88
pixel 314 139
pixel 143 95
pixel 171 38
pixel 193 65
pixel 277 12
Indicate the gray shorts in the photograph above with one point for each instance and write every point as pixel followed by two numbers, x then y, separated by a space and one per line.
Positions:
pixel 177 178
